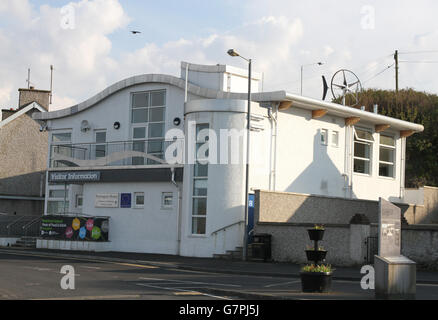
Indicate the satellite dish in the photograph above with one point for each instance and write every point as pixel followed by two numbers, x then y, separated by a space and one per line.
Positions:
pixel 344 83
pixel 85 126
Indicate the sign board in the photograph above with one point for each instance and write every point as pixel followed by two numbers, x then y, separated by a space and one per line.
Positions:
pixel 109 200
pixel 57 227
pixel 389 229
pixel 82 176
pixel 125 200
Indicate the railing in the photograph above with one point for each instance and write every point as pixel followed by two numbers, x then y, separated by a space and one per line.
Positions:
pixel 26 227
pixel 10 225
pixel 118 153
pixel 227 227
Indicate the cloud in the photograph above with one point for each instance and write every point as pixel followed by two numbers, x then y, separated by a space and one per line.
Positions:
pixel 279 36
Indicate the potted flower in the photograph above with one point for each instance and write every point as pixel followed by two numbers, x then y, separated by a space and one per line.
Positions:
pixel 316 233
pixel 316 278
pixel 315 255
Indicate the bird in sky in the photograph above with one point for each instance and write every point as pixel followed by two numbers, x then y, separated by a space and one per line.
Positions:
pixel 135 32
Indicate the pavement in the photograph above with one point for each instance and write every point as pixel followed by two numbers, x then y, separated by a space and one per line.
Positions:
pixel 252 280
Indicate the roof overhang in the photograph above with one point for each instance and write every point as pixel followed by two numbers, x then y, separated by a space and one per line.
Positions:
pixel 285 99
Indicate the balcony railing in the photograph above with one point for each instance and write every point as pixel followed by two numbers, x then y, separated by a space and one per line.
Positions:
pixel 121 153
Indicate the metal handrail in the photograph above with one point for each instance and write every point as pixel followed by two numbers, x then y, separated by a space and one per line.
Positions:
pixel 8 227
pixel 229 226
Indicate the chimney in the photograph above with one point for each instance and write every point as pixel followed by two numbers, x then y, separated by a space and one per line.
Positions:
pixel 26 96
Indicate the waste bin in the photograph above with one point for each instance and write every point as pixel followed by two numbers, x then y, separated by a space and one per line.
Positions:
pixel 261 246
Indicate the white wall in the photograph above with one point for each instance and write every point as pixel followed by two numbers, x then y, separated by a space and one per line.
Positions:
pixel 117 108
pixel 150 229
pixel 304 165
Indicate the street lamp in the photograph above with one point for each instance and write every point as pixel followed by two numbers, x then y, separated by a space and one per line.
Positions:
pixel 305 65
pixel 233 53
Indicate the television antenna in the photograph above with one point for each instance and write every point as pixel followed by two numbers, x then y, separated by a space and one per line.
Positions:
pixel 345 82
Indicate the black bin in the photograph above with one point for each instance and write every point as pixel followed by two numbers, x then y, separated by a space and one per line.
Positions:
pixel 261 246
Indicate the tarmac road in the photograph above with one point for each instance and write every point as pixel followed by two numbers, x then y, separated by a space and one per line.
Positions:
pixel 32 276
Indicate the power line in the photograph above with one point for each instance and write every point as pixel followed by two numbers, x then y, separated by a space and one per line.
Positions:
pixel 378 74
pixel 411 61
pixel 419 52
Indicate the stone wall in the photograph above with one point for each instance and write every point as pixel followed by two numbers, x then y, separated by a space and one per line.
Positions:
pixel 23 161
pixel 427 211
pixel 287 216
pixel 303 208
pixel 289 242
pixel 420 244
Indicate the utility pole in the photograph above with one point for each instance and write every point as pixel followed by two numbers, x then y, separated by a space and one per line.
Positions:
pixel 396 70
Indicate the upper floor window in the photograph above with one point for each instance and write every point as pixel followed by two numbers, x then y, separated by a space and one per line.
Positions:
pixel 100 148
pixel 148 106
pixel 363 146
pixel 386 156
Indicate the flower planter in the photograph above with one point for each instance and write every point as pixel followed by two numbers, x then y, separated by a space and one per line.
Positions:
pixel 313 255
pixel 316 234
pixel 316 281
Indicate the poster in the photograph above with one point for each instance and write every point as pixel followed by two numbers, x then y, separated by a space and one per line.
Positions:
pixel 56 227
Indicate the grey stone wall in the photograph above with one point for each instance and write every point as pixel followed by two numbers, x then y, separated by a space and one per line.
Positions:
pixel 302 208
pixel 420 244
pixel 289 242
pixel 23 161
pixel 426 213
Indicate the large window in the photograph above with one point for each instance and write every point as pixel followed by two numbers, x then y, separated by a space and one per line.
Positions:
pixel 386 156
pixel 363 146
pixel 200 179
pixel 147 117
pixel 57 202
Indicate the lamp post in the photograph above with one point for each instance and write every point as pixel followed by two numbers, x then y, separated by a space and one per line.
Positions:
pixel 233 53
pixel 305 65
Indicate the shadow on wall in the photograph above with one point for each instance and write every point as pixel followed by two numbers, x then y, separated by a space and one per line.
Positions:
pixel 29 184
pixel 321 176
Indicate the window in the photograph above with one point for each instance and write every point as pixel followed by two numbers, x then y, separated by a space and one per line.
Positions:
pixel 139 199
pixel 100 148
pixel 79 201
pixel 363 145
pixel 324 136
pixel 335 139
pixel 167 200
pixel 147 117
pixel 200 182
pixel 386 156
pixel 61 146
pixel 58 203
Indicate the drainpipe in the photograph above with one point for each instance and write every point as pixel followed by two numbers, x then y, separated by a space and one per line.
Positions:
pixel 273 157
pixel 402 167
pixel 178 222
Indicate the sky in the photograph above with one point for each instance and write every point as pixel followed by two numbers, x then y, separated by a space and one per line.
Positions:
pixel 90 45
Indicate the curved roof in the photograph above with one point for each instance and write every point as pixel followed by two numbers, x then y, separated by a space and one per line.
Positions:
pixel 276 96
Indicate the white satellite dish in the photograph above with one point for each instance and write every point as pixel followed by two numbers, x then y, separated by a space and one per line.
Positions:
pixel 85 126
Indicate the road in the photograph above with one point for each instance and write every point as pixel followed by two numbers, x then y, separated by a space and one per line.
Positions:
pixel 26 276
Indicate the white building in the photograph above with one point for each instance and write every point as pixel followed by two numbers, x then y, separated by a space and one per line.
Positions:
pixel 111 148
